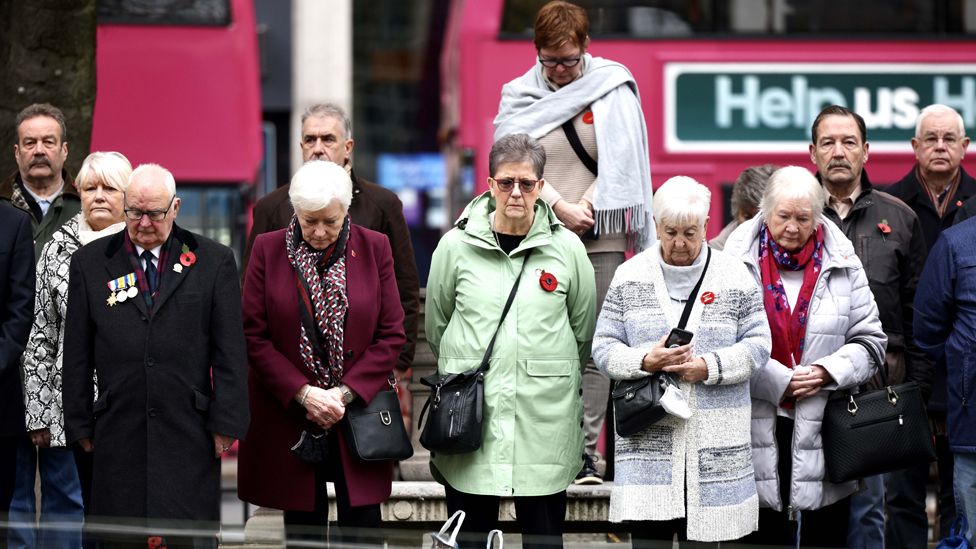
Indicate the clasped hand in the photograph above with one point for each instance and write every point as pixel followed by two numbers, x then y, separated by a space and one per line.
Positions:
pixel 807 381
pixel 679 361
pixel 324 406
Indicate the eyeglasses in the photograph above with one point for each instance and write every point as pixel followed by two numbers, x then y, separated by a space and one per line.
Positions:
pixel 153 215
pixel 507 184
pixel 930 141
pixel 568 62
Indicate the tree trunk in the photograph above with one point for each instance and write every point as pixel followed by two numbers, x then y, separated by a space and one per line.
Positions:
pixel 47 55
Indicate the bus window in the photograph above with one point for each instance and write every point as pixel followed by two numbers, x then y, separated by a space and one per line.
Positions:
pixel 164 12
pixel 215 211
pixel 801 18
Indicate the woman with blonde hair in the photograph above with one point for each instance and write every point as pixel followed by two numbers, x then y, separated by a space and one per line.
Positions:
pixel 65 472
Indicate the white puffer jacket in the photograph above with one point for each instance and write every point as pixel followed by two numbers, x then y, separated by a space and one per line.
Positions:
pixel 841 309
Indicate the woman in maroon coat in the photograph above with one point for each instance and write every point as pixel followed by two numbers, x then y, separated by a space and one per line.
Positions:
pixel 324 327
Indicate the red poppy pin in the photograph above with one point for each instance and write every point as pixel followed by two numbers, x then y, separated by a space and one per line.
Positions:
pixel 884 228
pixel 588 117
pixel 548 281
pixel 187 258
pixel 707 298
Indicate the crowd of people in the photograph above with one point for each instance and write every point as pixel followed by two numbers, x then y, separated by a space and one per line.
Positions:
pixel 132 357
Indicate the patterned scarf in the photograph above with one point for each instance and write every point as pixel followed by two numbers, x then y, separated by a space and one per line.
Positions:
pixel 321 280
pixel 788 327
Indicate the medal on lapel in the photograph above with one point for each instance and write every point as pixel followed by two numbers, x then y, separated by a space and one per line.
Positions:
pixel 121 289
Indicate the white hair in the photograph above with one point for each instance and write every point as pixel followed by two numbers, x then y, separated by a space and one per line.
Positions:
pixel 317 183
pixel 938 108
pixel 111 168
pixel 682 200
pixel 793 183
pixel 155 171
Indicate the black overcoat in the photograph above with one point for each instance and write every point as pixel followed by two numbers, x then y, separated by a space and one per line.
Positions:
pixel 16 312
pixel 169 376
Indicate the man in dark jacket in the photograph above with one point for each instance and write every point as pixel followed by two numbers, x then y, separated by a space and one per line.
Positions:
pixel 327 135
pixel 888 239
pixel 40 186
pixel 16 316
pixel 944 325
pixel 155 313
pixel 938 189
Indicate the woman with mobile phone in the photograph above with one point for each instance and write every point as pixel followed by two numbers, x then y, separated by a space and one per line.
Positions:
pixel 690 477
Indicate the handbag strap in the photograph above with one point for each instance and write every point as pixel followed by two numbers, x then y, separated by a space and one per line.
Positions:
pixel 508 305
pixel 577 145
pixel 691 298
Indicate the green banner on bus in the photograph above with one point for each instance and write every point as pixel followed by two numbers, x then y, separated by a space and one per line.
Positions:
pixel 736 107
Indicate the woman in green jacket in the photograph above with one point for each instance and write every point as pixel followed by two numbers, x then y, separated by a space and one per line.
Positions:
pixel 532 443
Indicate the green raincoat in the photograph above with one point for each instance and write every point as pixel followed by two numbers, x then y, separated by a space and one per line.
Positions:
pixel 532 439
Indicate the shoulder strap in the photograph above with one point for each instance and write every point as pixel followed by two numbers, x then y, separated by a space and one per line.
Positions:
pixel 691 298
pixel 577 145
pixel 508 305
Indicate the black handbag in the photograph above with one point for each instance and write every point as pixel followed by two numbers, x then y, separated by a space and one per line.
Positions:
pixel 375 431
pixel 456 402
pixel 637 402
pixel 875 432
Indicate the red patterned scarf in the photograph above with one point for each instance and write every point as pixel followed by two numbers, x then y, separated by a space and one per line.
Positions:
pixel 321 280
pixel 788 327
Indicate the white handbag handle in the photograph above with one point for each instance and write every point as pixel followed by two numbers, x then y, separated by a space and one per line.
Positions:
pixel 493 535
pixel 459 515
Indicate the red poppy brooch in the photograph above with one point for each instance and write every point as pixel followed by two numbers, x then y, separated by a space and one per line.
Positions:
pixel 884 228
pixel 187 258
pixel 548 281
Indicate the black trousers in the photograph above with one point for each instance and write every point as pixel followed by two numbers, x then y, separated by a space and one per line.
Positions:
pixel 354 525
pixel 907 526
pixel 660 534
pixel 824 527
pixel 541 519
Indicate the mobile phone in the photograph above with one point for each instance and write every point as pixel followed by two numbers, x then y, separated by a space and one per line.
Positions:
pixel 678 337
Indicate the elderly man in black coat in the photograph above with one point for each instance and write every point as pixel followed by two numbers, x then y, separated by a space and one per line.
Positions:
pixel 154 312
pixel 16 316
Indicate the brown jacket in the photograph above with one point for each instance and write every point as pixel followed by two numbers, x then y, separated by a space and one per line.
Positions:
pixel 373 207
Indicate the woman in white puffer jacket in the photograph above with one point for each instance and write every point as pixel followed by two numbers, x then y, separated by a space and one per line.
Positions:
pixel 823 320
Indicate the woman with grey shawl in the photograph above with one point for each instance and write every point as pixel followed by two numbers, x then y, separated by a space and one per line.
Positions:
pixel 586 113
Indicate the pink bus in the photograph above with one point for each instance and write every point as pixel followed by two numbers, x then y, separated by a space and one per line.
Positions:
pixel 730 84
pixel 178 85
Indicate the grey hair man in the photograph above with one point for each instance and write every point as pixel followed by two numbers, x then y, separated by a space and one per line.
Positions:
pixel 41 186
pixel 327 135
pixel 938 189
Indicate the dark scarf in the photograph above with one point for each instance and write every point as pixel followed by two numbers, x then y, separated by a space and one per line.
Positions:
pixel 320 277
pixel 788 328
pixel 136 263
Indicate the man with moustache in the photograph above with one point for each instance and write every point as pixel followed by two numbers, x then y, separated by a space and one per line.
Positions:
pixel 41 186
pixel 327 135
pixel 154 314
pixel 889 241
pixel 940 191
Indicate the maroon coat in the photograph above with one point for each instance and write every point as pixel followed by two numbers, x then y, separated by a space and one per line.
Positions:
pixel 268 473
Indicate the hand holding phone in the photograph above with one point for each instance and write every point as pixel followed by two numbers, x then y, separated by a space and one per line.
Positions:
pixel 677 338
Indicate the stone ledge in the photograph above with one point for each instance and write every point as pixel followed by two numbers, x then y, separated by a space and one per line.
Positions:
pixel 421 505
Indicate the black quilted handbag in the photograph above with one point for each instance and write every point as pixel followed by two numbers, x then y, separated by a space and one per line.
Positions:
pixel 375 432
pixel 876 432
